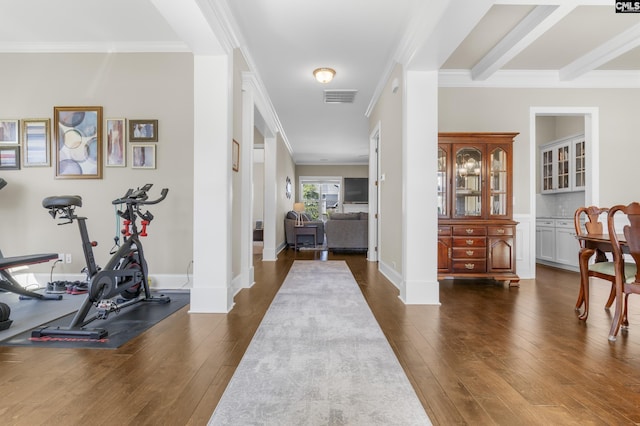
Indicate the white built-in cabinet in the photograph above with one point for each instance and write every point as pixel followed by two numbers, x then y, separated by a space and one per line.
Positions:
pixel 556 243
pixel 562 165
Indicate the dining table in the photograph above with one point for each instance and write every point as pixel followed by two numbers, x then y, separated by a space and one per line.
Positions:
pixel 599 244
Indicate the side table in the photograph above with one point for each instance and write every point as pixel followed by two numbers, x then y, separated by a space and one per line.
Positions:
pixel 305 230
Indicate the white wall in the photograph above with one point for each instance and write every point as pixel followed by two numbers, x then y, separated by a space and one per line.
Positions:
pixel 388 112
pixel 132 86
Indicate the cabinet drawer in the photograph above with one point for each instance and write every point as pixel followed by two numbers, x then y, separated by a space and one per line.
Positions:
pixel 444 230
pixel 500 230
pixel 469 242
pixel 565 223
pixel 471 265
pixel 545 222
pixel 470 230
pixel 469 253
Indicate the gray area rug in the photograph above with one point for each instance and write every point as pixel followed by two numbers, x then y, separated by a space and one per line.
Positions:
pixel 319 358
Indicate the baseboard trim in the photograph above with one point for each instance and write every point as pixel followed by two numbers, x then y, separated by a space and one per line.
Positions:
pixel 391 274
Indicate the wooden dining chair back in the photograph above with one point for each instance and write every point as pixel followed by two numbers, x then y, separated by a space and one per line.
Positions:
pixel 587 222
pixel 629 278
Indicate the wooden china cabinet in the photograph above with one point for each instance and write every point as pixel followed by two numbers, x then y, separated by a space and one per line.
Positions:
pixel 476 230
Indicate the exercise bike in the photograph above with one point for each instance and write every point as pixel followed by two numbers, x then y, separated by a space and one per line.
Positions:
pixel 124 279
pixel 9 283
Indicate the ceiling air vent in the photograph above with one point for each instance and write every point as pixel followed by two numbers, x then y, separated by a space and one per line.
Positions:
pixel 339 96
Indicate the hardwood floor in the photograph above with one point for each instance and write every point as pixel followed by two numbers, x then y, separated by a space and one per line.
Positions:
pixel 487 355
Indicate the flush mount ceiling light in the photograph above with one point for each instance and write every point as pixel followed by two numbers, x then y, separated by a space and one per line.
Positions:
pixel 324 75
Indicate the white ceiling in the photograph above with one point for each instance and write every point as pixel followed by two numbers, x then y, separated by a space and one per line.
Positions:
pixel 553 43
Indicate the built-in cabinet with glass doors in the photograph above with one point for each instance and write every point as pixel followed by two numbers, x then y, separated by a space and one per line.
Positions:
pixel 563 167
pixel 476 231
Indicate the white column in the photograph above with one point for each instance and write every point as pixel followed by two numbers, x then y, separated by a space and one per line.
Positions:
pixel 420 220
pixel 246 183
pixel 270 199
pixel 211 290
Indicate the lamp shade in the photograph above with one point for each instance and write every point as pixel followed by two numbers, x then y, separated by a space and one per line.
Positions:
pixel 324 75
pixel 298 207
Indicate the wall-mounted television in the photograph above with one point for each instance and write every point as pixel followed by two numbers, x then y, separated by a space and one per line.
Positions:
pixel 356 190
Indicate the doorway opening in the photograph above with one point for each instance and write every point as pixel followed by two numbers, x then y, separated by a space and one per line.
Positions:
pixel 590 115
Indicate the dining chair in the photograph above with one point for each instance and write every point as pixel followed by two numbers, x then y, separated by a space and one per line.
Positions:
pixel 627 280
pixel 587 221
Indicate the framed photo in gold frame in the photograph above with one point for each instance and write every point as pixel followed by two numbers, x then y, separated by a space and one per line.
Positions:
pixel 235 159
pixel 78 142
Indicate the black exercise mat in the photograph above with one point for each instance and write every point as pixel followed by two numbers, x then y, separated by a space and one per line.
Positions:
pixel 122 326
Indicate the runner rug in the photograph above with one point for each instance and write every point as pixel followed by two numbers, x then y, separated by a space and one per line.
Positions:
pixel 319 358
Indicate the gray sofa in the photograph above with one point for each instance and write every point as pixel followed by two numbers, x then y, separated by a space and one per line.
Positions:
pixel 347 231
pixel 290 222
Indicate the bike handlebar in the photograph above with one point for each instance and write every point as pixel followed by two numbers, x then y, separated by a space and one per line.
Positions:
pixel 139 196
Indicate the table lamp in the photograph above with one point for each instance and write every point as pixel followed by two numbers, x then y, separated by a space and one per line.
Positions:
pixel 299 209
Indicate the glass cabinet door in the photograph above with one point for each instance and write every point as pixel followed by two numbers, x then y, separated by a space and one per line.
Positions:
pixel 498 182
pixel 468 192
pixel 442 183
pixel 563 159
pixel 579 169
pixel 547 170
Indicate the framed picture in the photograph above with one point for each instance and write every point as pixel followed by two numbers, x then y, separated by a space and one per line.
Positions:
pixel 9 132
pixel 78 142
pixel 143 130
pixel 116 150
pixel 144 156
pixel 9 158
pixel 35 142
pixel 235 161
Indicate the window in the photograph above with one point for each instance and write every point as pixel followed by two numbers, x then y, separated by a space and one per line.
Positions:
pixel 320 195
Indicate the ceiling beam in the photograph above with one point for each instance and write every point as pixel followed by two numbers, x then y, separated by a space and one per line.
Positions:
pixel 192 22
pixel 433 37
pixel 620 44
pixel 536 23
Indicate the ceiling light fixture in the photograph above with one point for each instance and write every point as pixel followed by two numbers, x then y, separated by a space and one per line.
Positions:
pixel 324 75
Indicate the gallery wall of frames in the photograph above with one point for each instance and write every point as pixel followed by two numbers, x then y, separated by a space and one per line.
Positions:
pixel 78 142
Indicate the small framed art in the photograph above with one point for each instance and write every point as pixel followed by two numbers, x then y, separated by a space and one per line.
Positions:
pixel 116 149
pixel 235 160
pixel 143 130
pixel 35 142
pixel 144 156
pixel 9 158
pixel 9 132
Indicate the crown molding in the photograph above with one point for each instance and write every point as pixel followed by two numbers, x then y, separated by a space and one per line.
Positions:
pixel 93 47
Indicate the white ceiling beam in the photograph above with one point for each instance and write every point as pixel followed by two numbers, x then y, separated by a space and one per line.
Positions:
pixel 536 23
pixel 435 38
pixel 191 21
pixel 620 44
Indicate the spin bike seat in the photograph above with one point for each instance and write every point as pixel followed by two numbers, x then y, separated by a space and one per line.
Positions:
pixel 62 201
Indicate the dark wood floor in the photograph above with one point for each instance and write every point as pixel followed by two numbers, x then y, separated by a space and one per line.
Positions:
pixel 488 355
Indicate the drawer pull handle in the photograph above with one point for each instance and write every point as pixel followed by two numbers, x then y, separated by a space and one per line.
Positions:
pixel 470 252
pixel 469 242
pixel 469 231
pixel 500 230
pixel 469 266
